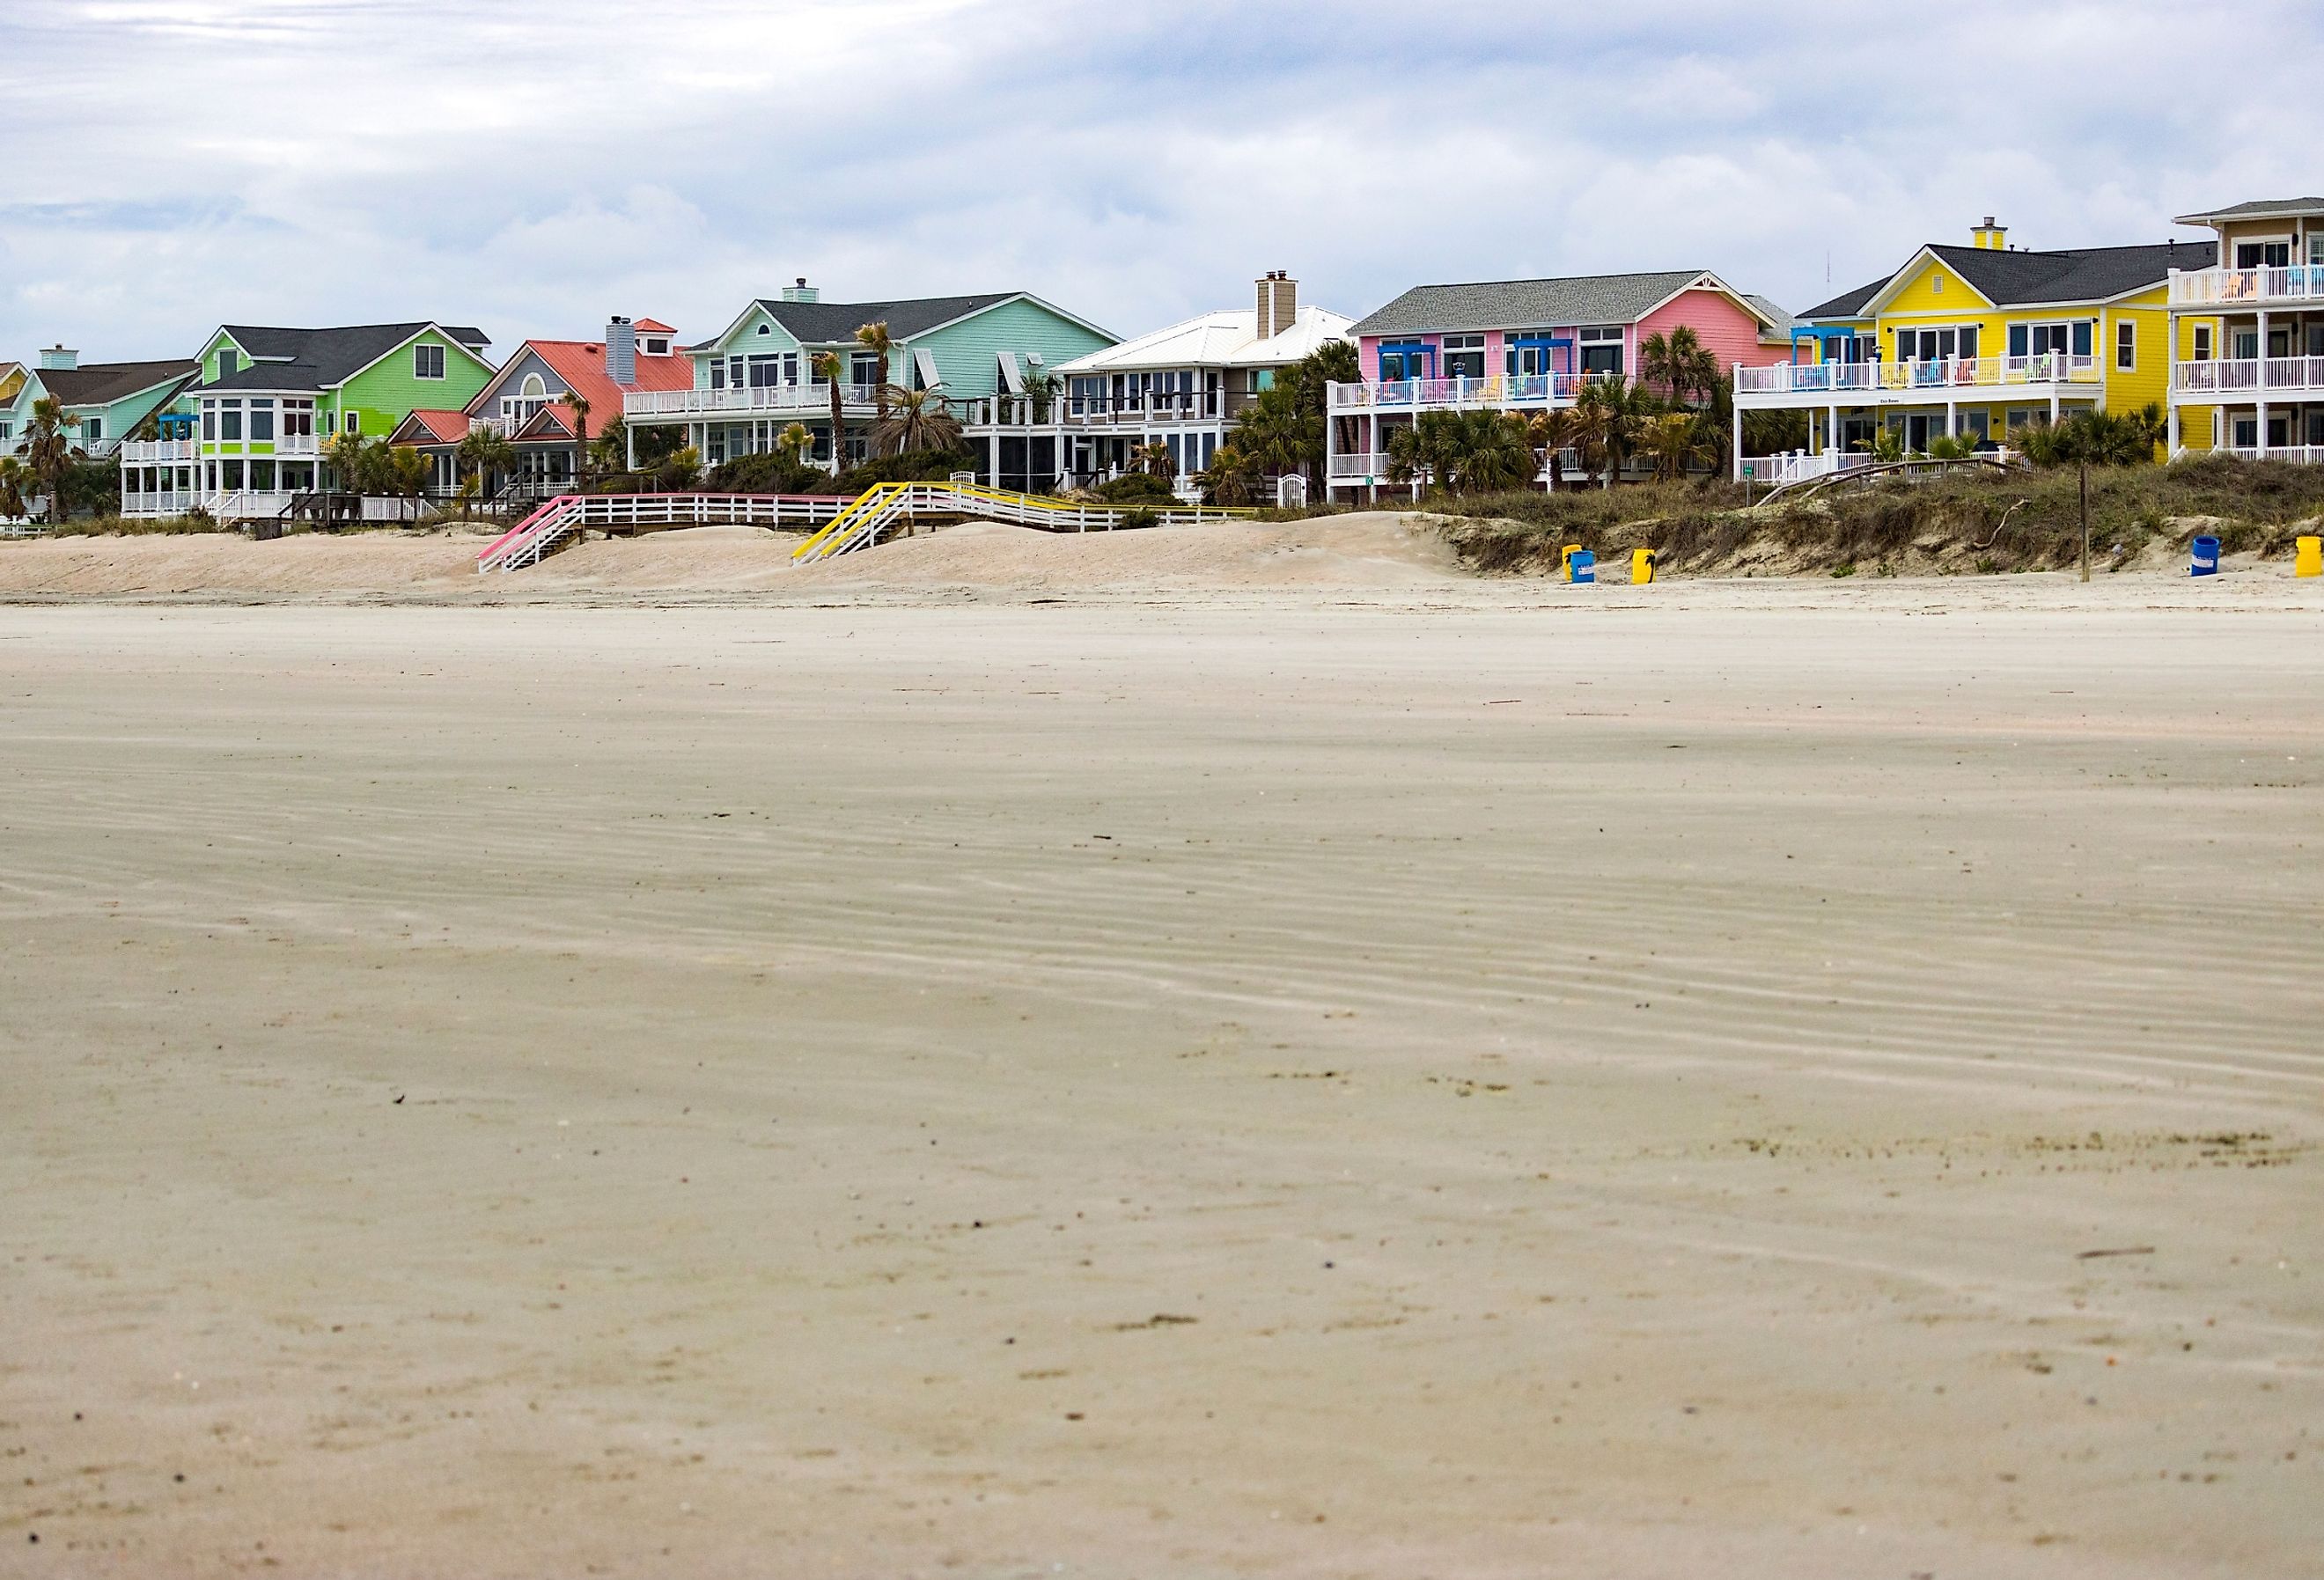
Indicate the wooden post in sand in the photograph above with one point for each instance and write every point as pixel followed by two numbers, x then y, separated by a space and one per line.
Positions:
pixel 2085 520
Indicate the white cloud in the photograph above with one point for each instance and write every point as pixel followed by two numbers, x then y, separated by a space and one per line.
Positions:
pixel 533 165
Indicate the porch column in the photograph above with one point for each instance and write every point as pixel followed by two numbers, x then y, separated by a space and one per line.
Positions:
pixel 2259 380
pixel 1831 431
pixel 2171 444
pixel 2053 405
pixel 1953 417
pixel 1739 444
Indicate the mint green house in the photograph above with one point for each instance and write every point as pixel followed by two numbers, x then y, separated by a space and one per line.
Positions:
pixel 105 401
pixel 248 432
pixel 758 378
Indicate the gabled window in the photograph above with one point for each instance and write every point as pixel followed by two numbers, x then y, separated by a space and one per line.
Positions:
pixel 428 361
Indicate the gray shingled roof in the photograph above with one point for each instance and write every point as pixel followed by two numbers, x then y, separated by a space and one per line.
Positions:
pixel 1782 320
pixel 1503 304
pixel 2015 278
pixel 1848 304
pixel 2264 209
pixel 299 359
pixel 99 383
pixel 827 323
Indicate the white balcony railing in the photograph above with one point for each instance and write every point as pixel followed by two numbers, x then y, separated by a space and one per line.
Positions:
pixel 1534 389
pixel 2240 288
pixel 2249 376
pixel 795 398
pixel 2301 455
pixel 1800 466
pixel 2051 367
pixel 1099 411
pixel 147 452
pixel 1359 466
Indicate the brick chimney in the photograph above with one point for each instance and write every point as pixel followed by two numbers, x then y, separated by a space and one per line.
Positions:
pixel 621 351
pixel 60 357
pixel 1990 237
pixel 1278 303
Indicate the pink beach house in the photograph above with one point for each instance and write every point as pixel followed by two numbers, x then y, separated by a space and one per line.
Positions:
pixel 1526 344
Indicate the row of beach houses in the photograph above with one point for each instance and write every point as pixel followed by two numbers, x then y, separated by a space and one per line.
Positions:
pixel 1968 340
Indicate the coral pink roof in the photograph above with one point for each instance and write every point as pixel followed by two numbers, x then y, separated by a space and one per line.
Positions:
pixel 581 363
pixel 442 427
pixel 654 326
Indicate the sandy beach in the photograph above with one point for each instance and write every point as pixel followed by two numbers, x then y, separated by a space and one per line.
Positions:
pixel 1364 1072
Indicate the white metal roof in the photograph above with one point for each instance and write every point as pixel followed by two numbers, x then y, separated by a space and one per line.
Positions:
pixel 1228 338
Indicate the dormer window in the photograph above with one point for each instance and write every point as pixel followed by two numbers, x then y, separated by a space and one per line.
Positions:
pixel 656 348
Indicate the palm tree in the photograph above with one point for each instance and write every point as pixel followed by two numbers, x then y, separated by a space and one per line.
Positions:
pixel 1678 362
pixel 874 337
pixel 48 452
pixel 1553 433
pixel 1425 451
pixel 793 443
pixel 827 367
pixel 1491 451
pixel 579 403
pixel 1605 415
pixel 1153 460
pixel 357 461
pixel 1232 477
pixel 483 451
pixel 1276 435
pixel 1040 389
pixel 12 473
pixel 1672 439
pixel 914 420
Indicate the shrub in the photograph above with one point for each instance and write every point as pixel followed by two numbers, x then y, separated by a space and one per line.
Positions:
pixel 1136 488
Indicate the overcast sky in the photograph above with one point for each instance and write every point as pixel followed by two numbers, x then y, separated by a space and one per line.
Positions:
pixel 530 166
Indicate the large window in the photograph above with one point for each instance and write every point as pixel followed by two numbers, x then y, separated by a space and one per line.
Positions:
pixel 262 421
pixel 1936 345
pixel 298 419
pixel 863 367
pixel 2042 339
pixel 1601 349
pixel 1527 353
pixel 1464 356
pixel 2262 255
pixel 428 361
pixel 765 371
pixel 1407 360
pixel 230 422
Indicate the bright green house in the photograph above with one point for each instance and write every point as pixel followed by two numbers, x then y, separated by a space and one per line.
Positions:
pixel 759 378
pixel 104 401
pixel 249 432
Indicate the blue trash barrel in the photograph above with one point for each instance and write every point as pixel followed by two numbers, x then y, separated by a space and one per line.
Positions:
pixel 2205 560
pixel 1585 566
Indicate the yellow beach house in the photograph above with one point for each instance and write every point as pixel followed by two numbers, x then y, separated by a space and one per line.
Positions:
pixel 1971 342
pixel 2247 334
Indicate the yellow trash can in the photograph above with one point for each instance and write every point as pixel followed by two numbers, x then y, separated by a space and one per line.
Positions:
pixel 2308 556
pixel 1566 561
pixel 1642 567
